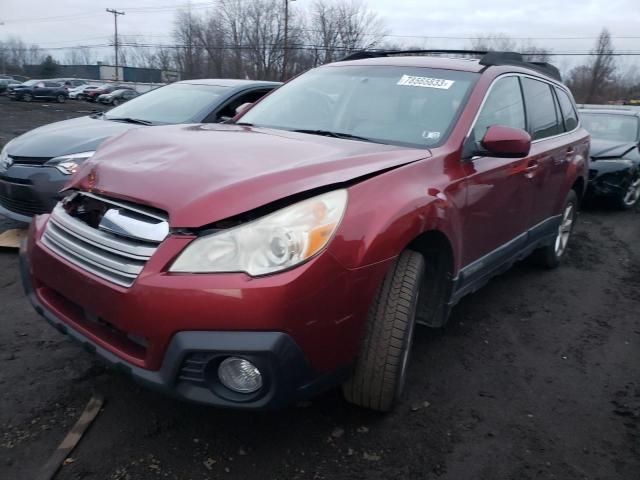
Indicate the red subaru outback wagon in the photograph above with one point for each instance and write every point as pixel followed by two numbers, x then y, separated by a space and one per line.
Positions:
pixel 259 262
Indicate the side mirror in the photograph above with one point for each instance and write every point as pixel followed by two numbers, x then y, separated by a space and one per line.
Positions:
pixel 243 108
pixel 506 142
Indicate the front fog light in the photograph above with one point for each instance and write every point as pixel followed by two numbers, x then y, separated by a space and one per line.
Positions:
pixel 240 375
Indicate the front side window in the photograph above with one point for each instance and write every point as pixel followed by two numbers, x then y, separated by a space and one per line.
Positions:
pixel 503 106
pixel 541 109
pixel 611 127
pixel 408 106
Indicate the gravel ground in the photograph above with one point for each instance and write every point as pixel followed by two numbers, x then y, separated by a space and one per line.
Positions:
pixel 536 376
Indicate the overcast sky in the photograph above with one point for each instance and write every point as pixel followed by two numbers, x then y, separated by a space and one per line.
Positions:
pixel 549 23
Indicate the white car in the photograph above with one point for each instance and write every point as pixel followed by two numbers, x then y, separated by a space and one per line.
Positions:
pixel 78 92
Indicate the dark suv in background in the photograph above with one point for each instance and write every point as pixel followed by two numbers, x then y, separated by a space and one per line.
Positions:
pixel 39 90
pixel 614 172
pixel 35 165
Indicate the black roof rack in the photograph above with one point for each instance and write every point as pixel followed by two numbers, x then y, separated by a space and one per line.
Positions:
pixel 488 58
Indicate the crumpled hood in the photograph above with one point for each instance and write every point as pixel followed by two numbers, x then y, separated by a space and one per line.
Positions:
pixel 77 135
pixel 200 174
pixel 609 149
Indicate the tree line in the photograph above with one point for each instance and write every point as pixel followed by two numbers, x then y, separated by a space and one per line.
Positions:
pixel 246 39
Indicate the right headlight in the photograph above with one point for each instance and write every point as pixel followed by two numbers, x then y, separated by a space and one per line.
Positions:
pixel 68 164
pixel 275 242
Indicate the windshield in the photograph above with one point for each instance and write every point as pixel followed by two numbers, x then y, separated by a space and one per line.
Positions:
pixel 407 106
pixel 175 103
pixel 611 127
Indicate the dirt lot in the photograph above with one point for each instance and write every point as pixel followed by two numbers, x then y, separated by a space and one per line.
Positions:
pixel 535 377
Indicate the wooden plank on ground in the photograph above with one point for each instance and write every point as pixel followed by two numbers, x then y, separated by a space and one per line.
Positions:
pixel 12 238
pixel 90 412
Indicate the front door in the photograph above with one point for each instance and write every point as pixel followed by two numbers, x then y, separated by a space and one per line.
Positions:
pixel 499 200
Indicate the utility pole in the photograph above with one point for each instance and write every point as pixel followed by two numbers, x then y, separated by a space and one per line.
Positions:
pixel 4 53
pixel 115 22
pixel 285 55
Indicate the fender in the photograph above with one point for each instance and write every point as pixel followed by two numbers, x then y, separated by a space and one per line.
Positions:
pixel 408 201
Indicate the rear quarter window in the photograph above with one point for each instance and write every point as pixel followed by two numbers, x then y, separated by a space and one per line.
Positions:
pixel 541 109
pixel 568 110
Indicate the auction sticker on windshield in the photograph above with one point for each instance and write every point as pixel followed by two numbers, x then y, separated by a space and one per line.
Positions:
pixel 411 81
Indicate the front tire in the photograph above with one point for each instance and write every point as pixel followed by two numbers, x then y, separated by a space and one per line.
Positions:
pixel 551 255
pixel 27 97
pixel 381 366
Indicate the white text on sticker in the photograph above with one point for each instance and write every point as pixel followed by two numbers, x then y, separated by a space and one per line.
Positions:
pixel 427 82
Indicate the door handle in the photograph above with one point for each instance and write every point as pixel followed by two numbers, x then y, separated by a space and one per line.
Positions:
pixel 532 166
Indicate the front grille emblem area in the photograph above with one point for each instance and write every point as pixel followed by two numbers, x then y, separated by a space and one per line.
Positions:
pixel 125 224
pixel 108 238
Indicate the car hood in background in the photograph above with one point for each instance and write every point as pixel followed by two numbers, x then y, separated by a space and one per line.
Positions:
pixel 609 149
pixel 77 135
pixel 200 174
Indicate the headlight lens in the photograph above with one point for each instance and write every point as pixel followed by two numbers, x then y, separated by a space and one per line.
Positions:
pixel 270 244
pixel 4 157
pixel 68 164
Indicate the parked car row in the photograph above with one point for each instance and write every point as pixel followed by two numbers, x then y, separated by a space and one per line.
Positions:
pixel 246 250
pixel 62 89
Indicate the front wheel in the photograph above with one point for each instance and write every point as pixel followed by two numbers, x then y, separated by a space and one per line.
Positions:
pixel 115 102
pixel 631 195
pixel 551 255
pixel 27 97
pixel 381 366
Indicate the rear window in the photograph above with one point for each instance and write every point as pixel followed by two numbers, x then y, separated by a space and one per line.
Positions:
pixel 408 106
pixel 541 109
pixel 611 127
pixel 568 110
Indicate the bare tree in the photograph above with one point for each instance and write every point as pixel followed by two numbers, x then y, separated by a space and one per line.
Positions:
pixel 494 42
pixel 595 81
pixel 80 55
pixel 336 28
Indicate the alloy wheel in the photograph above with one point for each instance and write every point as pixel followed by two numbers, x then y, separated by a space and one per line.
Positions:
pixel 633 193
pixel 565 228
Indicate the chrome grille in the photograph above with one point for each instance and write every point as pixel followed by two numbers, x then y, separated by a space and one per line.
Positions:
pixel 118 258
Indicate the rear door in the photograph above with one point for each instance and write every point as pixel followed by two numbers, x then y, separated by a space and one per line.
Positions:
pixel 498 205
pixel 549 149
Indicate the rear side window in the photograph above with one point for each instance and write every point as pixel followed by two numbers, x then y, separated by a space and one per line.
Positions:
pixel 52 84
pixel 568 111
pixel 503 106
pixel 541 109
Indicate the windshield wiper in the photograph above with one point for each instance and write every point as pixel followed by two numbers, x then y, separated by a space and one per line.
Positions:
pixel 130 120
pixel 243 124
pixel 329 133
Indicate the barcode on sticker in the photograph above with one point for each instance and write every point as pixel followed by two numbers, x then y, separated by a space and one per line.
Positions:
pixel 427 82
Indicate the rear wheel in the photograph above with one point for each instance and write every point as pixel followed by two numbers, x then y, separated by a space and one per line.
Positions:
pixel 380 370
pixel 61 98
pixel 115 102
pixel 631 196
pixel 27 97
pixel 551 255
pixel 79 97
